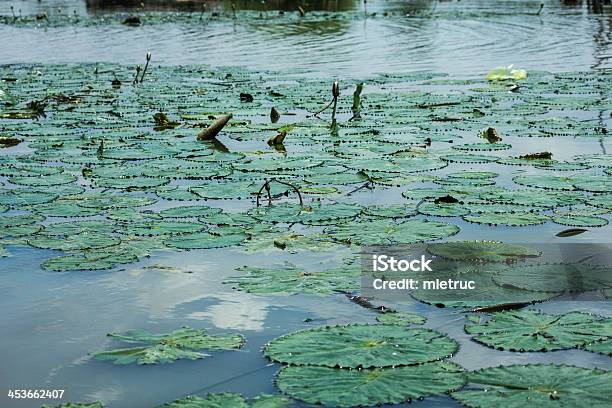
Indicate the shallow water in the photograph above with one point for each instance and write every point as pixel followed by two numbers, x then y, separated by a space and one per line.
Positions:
pixel 50 321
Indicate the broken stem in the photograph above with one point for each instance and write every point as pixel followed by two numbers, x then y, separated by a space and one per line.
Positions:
pixel 266 186
pixel 146 66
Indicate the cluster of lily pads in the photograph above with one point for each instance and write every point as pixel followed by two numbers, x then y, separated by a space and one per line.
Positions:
pixel 108 171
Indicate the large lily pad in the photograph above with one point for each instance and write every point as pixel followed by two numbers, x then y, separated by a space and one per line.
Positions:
pixel 336 387
pixel 289 279
pixel 361 346
pixel 385 232
pixel 537 385
pixel 532 330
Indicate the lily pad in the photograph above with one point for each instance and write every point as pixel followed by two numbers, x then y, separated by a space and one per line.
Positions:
pixel 289 280
pixel 483 251
pixel 385 232
pixel 336 387
pixel 537 385
pixel 401 318
pixel 184 343
pixel 229 400
pixel 533 330
pixel 360 346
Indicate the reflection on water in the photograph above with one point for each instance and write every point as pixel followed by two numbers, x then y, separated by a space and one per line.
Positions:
pixel 467 37
pixel 197 5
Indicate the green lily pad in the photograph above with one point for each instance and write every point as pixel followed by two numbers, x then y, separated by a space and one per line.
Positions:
pixel 385 232
pixel 512 220
pixel 289 280
pixel 555 277
pixel 483 251
pixel 401 318
pixel 533 330
pixel 360 346
pixel 336 387
pixel 537 385
pixel 601 347
pixel 218 238
pixel 184 343
pixel 577 220
pixel 229 400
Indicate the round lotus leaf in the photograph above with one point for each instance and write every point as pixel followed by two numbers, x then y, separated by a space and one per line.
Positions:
pixel 160 227
pixel 601 347
pixel 87 262
pixel 546 181
pixel 533 330
pixel 597 160
pixel 595 184
pixel 334 387
pixel 114 201
pixel 315 214
pixel 63 208
pixel 73 242
pixel 18 220
pixel 227 191
pixel 482 251
pixel 601 201
pixel 190 211
pixel 219 238
pixel 18 198
pixel 442 209
pixel 42 181
pixel 578 220
pixel 483 147
pixel 537 385
pixel 4 208
pixel 397 165
pixel 231 219
pixel 131 183
pixel 289 280
pixel 131 215
pixel 469 158
pixel 269 164
pixel 513 220
pixel 338 178
pixel 30 171
pixel 560 166
pixel 178 193
pixel 472 175
pixel 386 232
pixel 401 318
pixel 360 346
pixel 390 211
pixel 16 231
pixel 460 183
pixel 229 400
pixel 139 152
pixel 78 227
pixel 556 277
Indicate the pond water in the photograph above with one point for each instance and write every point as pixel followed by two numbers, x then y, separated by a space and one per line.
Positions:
pixel 51 321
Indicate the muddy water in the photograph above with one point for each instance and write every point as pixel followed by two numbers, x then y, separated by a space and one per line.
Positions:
pixel 51 321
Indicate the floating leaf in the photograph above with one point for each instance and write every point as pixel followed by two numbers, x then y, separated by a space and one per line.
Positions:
pixel 537 385
pixel 512 220
pixel 289 280
pixel 184 343
pixel 401 318
pixel 336 387
pixel 360 346
pixel 381 232
pixel 487 251
pixel 533 330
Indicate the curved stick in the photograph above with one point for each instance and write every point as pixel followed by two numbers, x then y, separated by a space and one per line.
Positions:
pixel 267 187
